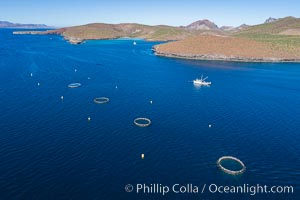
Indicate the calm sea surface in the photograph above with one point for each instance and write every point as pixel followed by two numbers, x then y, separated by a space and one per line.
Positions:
pixel 49 150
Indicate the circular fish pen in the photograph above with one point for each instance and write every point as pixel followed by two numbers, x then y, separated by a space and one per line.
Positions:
pixel 74 85
pixel 228 171
pixel 101 100
pixel 142 122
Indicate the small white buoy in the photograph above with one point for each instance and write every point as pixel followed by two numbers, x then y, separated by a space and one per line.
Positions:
pixel 62 97
pixel 38 84
pixel 151 101
pixel 209 125
pixel 89 118
pixel 116 87
pixel 31 74
pixel 142 156
pixel 75 70
pixel 134 43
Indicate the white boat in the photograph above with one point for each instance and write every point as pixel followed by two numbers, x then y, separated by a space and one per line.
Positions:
pixel 134 43
pixel 201 81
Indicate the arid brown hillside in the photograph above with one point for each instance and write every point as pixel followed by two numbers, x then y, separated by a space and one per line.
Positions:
pixel 225 48
pixel 151 33
pixel 77 34
pixel 98 31
pixel 273 27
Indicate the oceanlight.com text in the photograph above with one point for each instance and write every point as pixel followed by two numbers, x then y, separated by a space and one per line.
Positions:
pixel 162 189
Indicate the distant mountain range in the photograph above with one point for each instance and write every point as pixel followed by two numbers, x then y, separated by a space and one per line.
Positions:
pixel 6 24
pixel 205 24
pixel 200 25
pixel 272 26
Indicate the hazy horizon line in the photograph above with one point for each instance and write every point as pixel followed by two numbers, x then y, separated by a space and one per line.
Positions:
pixel 147 24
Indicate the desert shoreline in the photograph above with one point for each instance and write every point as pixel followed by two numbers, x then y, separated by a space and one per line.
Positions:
pixel 204 57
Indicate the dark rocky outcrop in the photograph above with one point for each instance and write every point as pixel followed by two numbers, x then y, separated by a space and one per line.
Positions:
pixel 270 20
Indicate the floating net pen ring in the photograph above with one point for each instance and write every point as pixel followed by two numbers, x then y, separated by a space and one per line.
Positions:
pixel 228 171
pixel 74 85
pixel 142 122
pixel 101 100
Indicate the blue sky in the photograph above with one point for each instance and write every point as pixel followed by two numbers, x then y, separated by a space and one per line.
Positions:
pixel 152 12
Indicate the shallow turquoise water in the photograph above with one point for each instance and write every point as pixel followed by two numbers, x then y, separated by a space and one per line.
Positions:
pixel 49 150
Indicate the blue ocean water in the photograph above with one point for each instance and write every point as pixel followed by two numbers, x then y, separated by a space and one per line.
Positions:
pixel 49 150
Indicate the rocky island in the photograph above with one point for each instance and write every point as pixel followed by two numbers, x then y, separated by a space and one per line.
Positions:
pixel 6 24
